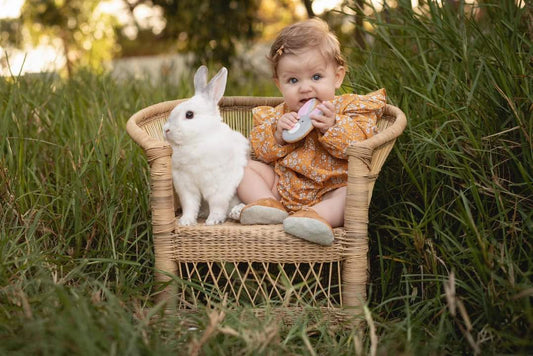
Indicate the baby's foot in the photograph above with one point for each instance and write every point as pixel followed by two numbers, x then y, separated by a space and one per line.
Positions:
pixel 308 225
pixel 263 211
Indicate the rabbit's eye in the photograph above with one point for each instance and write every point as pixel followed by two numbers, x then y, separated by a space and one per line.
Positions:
pixel 189 115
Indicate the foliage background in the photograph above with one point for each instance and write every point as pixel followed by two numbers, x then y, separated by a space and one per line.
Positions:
pixel 92 31
pixel 451 217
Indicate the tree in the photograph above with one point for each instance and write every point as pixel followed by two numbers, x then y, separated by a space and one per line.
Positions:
pixel 309 8
pixel 10 32
pixel 359 16
pixel 211 29
pixel 86 35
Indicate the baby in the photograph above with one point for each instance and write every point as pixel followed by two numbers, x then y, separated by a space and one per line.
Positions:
pixel 303 184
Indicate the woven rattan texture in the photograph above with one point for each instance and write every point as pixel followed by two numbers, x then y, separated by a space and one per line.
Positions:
pixel 260 265
pixel 254 284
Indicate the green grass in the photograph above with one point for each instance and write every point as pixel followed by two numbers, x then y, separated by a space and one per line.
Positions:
pixel 453 203
pixel 457 198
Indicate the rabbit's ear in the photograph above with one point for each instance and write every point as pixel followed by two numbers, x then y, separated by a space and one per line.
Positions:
pixel 217 85
pixel 200 80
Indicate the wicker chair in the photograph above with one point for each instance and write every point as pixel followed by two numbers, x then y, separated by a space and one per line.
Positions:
pixel 260 265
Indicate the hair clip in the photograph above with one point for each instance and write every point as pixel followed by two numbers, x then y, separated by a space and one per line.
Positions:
pixel 279 52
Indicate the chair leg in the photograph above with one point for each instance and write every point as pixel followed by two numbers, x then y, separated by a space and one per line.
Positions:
pixel 354 277
pixel 163 220
pixel 354 274
pixel 165 268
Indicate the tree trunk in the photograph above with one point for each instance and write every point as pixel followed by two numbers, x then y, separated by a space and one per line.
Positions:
pixel 309 7
pixel 359 14
pixel 64 40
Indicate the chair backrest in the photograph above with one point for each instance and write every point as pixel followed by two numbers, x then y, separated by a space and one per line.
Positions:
pixel 235 110
pixel 237 113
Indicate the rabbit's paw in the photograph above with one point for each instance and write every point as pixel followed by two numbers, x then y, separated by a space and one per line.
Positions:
pixel 187 221
pixel 215 219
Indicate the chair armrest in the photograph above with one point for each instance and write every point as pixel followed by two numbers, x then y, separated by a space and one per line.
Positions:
pixel 159 154
pixel 152 147
pixel 365 159
pixel 364 149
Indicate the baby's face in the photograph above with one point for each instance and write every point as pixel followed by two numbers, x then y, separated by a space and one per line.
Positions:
pixel 305 75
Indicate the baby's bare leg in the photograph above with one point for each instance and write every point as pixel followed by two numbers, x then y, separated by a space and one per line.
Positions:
pixel 331 208
pixel 259 181
pixel 258 190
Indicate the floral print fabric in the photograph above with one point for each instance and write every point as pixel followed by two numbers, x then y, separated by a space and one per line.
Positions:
pixel 317 164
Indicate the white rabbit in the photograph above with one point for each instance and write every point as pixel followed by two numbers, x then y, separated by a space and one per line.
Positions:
pixel 208 157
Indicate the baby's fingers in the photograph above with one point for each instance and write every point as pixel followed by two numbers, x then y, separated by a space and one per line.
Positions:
pixel 327 108
pixel 326 118
pixel 287 121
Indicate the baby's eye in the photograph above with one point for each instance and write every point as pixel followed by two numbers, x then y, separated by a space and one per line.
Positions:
pixel 316 76
pixel 293 80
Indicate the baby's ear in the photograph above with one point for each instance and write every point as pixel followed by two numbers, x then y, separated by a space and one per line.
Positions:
pixel 339 76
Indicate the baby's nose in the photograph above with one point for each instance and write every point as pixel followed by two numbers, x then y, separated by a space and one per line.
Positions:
pixel 304 86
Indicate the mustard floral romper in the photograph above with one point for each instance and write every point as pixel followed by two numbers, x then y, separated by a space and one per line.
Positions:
pixel 317 164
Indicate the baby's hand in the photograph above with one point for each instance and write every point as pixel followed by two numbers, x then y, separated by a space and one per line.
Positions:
pixel 325 120
pixel 286 122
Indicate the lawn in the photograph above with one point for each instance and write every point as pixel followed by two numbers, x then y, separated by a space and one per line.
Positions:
pixel 451 267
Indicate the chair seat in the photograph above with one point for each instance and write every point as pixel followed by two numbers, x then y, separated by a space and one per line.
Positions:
pixel 233 242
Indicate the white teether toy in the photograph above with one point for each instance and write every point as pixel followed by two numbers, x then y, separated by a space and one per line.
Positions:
pixel 304 125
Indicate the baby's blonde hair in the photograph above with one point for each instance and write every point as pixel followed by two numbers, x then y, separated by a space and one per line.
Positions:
pixel 312 33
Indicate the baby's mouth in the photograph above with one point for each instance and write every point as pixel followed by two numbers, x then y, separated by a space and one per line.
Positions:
pixel 303 101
